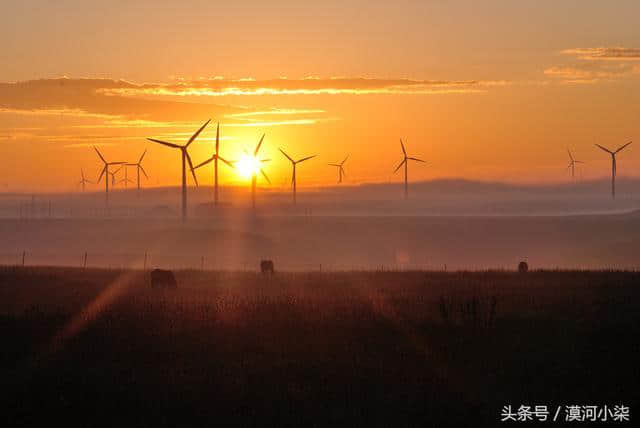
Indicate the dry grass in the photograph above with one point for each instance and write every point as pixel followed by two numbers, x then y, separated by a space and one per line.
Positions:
pixel 352 348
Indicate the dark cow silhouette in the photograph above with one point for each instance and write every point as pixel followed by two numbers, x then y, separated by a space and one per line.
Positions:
pixel 266 266
pixel 523 267
pixel 163 279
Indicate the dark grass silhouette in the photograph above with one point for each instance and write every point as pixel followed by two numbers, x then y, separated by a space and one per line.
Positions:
pixel 99 347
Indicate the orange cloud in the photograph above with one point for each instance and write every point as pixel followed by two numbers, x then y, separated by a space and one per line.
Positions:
pixel 305 86
pixel 605 54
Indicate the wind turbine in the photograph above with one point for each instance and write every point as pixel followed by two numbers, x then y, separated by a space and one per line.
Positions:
pixel 214 158
pixel 105 172
pixel 185 158
pixel 572 164
pixel 293 177
pixel 83 181
pixel 613 166
pixel 254 173
pixel 405 162
pixel 139 168
pixel 113 176
pixel 126 178
pixel 340 167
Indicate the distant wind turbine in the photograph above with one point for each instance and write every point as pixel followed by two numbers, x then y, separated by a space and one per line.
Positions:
pixel 139 168
pixel 105 172
pixel 113 176
pixel 126 180
pixel 214 158
pixel 294 163
pixel 254 174
pixel 340 167
pixel 185 158
pixel 572 164
pixel 613 166
pixel 405 162
pixel 83 181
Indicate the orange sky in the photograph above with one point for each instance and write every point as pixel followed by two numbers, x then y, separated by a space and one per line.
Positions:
pixel 491 92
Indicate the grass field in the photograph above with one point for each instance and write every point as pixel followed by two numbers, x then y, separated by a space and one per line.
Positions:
pixel 99 347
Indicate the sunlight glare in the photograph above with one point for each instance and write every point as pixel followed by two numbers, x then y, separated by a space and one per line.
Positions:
pixel 247 165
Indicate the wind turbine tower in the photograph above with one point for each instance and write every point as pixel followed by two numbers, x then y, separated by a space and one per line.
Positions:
pixel 572 164
pixel 614 168
pixel 294 163
pixel 214 158
pixel 185 158
pixel 106 173
pixel 139 168
pixel 340 167
pixel 405 162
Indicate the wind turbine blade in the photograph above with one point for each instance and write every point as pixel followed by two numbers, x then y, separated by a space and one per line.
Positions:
pixel 217 138
pixel 204 163
pixel 401 163
pixel 117 170
pixel 194 136
pixel 175 146
pixel 570 157
pixel 142 157
pixel 288 157
pixel 403 150
pixel 344 174
pixel 416 159
pixel 255 152
pixel 622 147
pixel 226 161
pixel 265 176
pixel 195 179
pixel 605 149
pixel 334 164
pixel 345 159
pixel 99 154
pixel 307 158
pixel 578 161
pixel 265 160
pixel 143 171
pixel 101 174
pixel 117 163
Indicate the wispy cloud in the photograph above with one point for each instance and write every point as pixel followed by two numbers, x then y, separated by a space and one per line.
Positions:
pixel 605 53
pixel 275 123
pixel 592 65
pixel 85 145
pixel 276 112
pixel 304 86
pixel 84 98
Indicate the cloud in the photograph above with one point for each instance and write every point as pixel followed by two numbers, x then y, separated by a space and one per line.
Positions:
pixel 112 103
pixel 589 72
pixel 604 53
pixel 596 65
pixel 305 86
pixel 83 98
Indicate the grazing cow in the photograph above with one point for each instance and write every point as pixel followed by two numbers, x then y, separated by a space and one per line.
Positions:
pixel 163 279
pixel 266 266
pixel 523 267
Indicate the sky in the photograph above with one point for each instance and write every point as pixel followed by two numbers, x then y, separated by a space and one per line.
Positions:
pixel 492 90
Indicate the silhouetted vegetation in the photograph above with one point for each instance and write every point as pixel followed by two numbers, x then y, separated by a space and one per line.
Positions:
pixel 100 347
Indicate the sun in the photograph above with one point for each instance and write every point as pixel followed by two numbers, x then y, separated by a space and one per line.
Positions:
pixel 247 165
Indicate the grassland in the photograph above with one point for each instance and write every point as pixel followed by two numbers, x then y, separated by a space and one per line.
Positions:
pixel 100 348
